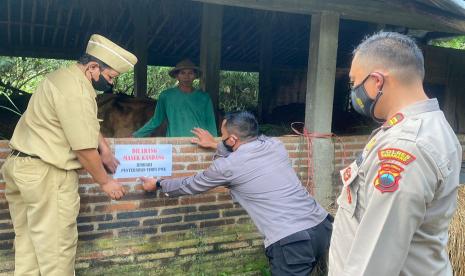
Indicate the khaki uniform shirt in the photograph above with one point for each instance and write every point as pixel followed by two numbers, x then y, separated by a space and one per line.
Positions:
pixel 398 198
pixel 61 117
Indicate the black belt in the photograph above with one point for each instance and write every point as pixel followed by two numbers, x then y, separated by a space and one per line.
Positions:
pixel 22 154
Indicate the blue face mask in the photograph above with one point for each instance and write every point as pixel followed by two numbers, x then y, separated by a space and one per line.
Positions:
pixel 362 103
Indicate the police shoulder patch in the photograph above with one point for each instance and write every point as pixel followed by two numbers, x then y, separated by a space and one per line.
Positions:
pixel 396 155
pixel 388 177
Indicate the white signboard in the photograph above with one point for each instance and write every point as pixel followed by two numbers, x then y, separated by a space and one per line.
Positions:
pixel 144 160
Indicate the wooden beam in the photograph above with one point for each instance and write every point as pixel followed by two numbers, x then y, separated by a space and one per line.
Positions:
pixel 21 19
pixel 8 4
pixel 321 75
pixel 55 33
pixel 44 29
pixel 81 23
pixel 265 27
pixel 33 21
pixel 68 22
pixel 387 12
pixel 140 19
pixel 158 30
pixel 210 52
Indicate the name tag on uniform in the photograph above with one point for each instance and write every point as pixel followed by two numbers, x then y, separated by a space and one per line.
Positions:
pixel 349 173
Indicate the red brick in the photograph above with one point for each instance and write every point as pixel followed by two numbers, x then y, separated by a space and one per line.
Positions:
pixel 354 146
pixel 197 199
pixel 2 186
pixel 94 199
pixel 86 180
pixel 84 209
pixel 206 158
pixel 179 174
pixel 291 147
pixel 116 207
pixel 4 144
pixel 159 202
pixel 178 167
pixel 220 189
pixel 223 197
pixel 300 154
pixel 197 166
pixel 193 149
pixel 185 158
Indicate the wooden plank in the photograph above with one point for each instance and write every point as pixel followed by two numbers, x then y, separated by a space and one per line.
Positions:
pixel 265 25
pixel 386 12
pixel 140 19
pixel 210 52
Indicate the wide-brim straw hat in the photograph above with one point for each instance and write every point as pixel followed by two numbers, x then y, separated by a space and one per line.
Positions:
pixel 184 64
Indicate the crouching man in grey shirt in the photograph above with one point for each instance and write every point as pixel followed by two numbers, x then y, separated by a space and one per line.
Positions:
pixel 258 172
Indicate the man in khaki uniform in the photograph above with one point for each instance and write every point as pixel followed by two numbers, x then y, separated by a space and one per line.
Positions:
pixel 58 134
pixel 399 196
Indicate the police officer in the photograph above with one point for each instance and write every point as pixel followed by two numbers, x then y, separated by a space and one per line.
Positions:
pixel 399 196
pixel 261 179
pixel 58 134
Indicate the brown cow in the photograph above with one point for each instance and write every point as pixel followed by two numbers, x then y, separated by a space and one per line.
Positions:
pixel 123 114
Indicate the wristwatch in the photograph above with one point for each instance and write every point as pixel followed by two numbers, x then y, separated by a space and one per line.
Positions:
pixel 158 184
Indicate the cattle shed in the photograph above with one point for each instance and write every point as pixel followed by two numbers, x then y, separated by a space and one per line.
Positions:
pixel 302 49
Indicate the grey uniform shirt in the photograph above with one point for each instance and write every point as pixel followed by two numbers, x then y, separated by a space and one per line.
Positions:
pixel 398 198
pixel 261 179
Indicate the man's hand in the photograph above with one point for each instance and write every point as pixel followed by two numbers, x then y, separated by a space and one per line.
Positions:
pixel 204 138
pixel 109 161
pixel 113 189
pixel 149 184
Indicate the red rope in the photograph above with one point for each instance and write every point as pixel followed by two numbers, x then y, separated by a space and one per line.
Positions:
pixel 309 136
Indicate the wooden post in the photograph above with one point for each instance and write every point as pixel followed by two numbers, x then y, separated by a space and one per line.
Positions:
pixel 140 48
pixel 210 52
pixel 319 99
pixel 265 66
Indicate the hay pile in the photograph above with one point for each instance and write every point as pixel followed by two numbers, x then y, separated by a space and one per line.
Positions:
pixel 456 246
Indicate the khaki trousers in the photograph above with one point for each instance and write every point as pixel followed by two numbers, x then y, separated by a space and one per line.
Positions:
pixel 44 204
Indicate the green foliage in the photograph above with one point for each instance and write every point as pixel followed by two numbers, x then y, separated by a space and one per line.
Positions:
pixel 157 81
pixel 25 73
pixel 455 43
pixel 238 91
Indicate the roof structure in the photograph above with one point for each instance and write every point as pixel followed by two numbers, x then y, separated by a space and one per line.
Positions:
pixel 60 29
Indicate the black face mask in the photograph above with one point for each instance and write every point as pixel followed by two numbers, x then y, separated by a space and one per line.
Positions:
pixel 362 103
pixel 228 147
pixel 101 84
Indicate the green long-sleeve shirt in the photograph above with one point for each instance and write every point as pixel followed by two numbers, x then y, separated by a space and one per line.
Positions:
pixel 184 111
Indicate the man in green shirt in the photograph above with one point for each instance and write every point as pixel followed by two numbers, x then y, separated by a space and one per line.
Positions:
pixel 184 107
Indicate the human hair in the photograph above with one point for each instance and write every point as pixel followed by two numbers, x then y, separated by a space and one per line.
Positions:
pixel 86 58
pixel 392 51
pixel 243 124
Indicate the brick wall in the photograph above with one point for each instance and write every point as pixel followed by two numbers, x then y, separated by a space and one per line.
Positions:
pixel 170 236
pixel 146 231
